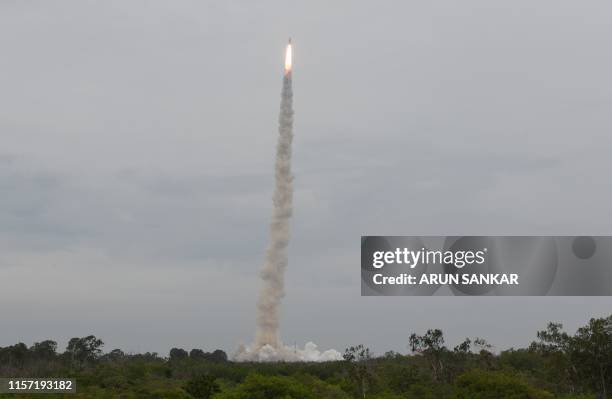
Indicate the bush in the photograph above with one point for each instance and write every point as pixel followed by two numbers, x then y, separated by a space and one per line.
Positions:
pixel 202 387
pixel 257 386
pixel 478 384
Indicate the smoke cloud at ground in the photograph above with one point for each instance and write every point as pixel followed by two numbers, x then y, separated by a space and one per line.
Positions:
pixel 282 353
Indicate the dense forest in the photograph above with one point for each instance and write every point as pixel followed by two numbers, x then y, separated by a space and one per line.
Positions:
pixel 556 365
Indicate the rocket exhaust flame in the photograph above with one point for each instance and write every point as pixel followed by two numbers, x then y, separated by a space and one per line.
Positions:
pixel 288 57
pixel 267 346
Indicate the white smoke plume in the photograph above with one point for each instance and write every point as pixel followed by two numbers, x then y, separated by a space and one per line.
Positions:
pixel 273 271
pixel 267 346
pixel 282 353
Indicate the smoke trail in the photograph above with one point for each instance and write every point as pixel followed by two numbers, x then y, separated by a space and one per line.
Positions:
pixel 267 346
pixel 273 271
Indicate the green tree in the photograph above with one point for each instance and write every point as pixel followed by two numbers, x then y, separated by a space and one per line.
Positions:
pixel 554 347
pixel 15 355
pixel 257 386
pixel 45 350
pixel 202 387
pixel 464 347
pixel 591 349
pixel 582 359
pixel 178 354
pixel 115 355
pixel 431 345
pixel 399 376
pixel 197 354
pixel 361 370
pixel 83 350
pixel 479 384
pixel 218 356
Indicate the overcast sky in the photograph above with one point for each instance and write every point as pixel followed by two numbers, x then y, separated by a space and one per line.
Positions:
pixel 138 142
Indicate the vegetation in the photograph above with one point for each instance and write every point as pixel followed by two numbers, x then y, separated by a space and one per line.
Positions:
pixel 556 365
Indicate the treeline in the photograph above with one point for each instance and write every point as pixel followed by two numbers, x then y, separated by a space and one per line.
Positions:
pixel 19 360
pixel 556 365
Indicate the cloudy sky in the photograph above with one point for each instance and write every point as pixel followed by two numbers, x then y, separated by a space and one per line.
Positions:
pixel 138 142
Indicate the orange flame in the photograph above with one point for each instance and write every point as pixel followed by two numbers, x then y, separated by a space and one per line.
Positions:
pixel 288 59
